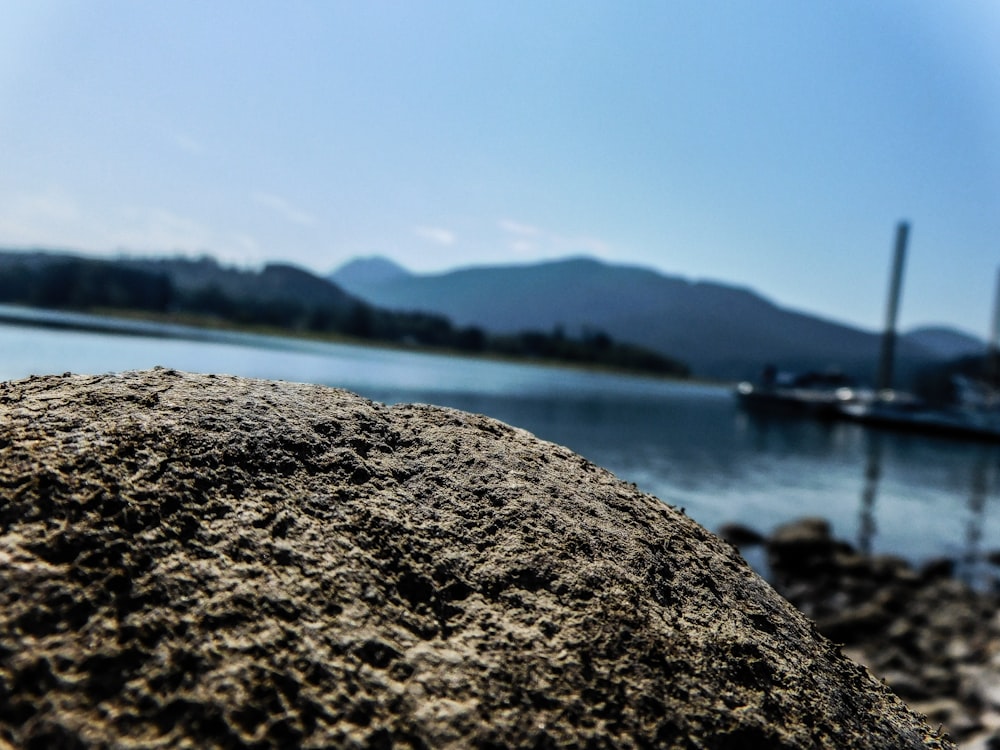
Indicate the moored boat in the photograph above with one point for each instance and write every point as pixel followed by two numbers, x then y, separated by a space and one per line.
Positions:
pixel 810 394
pixel 974 416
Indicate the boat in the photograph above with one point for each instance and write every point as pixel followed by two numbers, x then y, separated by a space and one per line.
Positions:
pixel 825 395
pixel 975 413
pixel 974 416
pixel 813 394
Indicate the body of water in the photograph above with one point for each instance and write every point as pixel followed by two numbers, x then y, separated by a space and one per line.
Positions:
pixel 689 445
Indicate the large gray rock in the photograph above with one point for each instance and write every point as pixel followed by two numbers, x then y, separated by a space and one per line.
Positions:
pixel 201 561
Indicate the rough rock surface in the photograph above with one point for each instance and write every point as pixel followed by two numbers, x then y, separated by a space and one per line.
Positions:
pixel 199 561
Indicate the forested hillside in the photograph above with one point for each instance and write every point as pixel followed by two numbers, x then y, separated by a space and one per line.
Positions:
pixel 284 297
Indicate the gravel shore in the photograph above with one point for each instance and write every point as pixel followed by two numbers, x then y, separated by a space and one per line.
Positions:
pixel 933 639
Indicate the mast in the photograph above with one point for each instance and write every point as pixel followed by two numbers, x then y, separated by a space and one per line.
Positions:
pixel 884 381
pixel 993 351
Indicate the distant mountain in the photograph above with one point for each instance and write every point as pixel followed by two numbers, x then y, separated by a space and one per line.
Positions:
pixel 287 298
pixel 946 343
pixel 275 282
pixel 722 331
pixel 368 272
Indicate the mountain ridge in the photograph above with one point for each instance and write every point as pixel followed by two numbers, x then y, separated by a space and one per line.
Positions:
pixel 723 330
pixel 286 297
pixel 717 330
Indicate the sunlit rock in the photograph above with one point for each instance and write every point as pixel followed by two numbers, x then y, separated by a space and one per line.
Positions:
pixel 197 561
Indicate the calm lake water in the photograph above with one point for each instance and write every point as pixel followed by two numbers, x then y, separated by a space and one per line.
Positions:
pixel 689 445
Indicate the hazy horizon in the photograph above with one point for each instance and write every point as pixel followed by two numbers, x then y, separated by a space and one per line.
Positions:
pixel 256 266
pixel 769 146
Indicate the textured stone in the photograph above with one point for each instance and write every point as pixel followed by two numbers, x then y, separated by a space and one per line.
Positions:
pixel 207 561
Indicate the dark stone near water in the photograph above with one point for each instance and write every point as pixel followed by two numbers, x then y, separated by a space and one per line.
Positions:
pixel 937 569
pixel 201 561
pixel 804 548
pixel 804 532
pixel 740 535
pixel 932 638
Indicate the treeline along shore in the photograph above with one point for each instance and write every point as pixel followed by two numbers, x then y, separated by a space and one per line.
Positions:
pixel 287 299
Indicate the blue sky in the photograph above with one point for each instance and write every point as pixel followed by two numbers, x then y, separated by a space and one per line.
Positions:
pixel 773 143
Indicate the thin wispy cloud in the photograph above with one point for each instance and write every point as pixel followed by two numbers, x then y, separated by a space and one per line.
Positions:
pixel 50 215
pixel 55 218
pixel 437 235
pixel 158 231
pixel 527 239
pixel 523 236
pixel 516 227
pixel 284 208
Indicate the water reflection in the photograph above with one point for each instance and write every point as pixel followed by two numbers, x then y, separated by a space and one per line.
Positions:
pixel 981 464
pixel 973 567
pixel 873 471
pixel 789 434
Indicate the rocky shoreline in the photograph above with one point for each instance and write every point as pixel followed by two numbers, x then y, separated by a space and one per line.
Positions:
pixel 933 639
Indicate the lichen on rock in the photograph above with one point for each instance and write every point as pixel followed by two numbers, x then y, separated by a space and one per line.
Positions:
pixel 198 560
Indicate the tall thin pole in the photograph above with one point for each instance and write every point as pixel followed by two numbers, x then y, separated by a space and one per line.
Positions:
pixel 993 358
pixel 884 381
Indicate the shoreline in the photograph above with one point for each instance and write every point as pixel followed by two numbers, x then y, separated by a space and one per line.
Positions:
pixel 932 638
pixel 201 328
